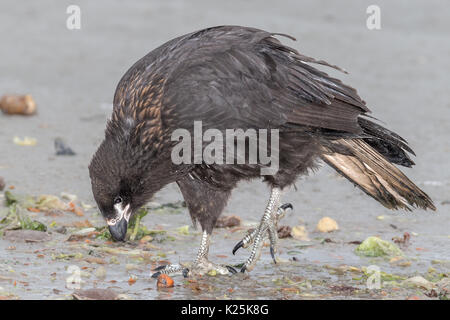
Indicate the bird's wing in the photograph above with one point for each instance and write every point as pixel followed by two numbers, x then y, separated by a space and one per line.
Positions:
pixel 234 76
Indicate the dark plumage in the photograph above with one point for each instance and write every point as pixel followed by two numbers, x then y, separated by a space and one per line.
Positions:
pixel 238 77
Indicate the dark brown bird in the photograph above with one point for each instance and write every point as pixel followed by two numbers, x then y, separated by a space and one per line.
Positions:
pixel 232 77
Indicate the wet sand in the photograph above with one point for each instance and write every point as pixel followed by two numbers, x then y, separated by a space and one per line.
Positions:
pixel 401 71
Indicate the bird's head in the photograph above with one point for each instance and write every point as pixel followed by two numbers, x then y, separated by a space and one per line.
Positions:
pixel 118 186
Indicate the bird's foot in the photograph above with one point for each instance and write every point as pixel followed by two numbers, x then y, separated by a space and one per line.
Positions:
pixel 169 269
pixel 268 227
pixel 204 266
pixel 200 267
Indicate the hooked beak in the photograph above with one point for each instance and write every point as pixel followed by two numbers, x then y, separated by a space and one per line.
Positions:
pixel 118 226
pixel 119 230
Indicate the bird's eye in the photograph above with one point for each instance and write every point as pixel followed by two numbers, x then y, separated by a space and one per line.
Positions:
pixel 117 200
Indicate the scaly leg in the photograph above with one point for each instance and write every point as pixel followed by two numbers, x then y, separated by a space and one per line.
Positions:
pixel 200 266
pixel 268 225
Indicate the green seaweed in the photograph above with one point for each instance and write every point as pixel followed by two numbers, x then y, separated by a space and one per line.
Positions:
pixel 376 247
pixel 16 219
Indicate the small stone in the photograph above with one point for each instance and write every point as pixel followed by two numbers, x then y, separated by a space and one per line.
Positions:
pixel 327 224
pixel 300 233
pixel 62 149
pixel 130 267
pixel 100 272
pixel 18 104
pixel 228 222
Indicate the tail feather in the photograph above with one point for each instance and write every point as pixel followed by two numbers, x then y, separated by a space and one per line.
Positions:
pixel 375 175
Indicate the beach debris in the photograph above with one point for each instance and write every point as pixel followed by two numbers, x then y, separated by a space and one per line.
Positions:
pixel 50 202
pixel 443 286
pixel 376 247
pixel 44 202
pixel 183 230
pixel 15 199
pixel 228 222
pixel 2 184
pixel 300 233
pixel 26 236
pixel 164 281
pixel 25 142
pixel 284 232
pixel 100 272
pixel 18 104
pixel 95 294
pixel 68 196
pixel 16 219
pixel 400 261
pixel 146 239
pixel 419 282
pixel 62 149
pixel 402 240
pixel 343 289
pixel 326 224
pixel 75 209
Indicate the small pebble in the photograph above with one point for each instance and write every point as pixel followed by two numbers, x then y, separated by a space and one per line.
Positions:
pixel 326 224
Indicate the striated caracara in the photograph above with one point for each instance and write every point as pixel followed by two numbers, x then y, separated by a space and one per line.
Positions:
pixel 232 77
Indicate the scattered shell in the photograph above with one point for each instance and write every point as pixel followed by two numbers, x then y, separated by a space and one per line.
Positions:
pixel 326 224
pixel 18 104
pixel 68 196
pixel 26 141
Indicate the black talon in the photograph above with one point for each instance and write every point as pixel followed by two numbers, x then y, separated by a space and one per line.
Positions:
pixel 240 244
pixel 185 272
pixel 243 269
pixel 156 275
pixel 286 205
pixel 272 253
pixel 231 269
